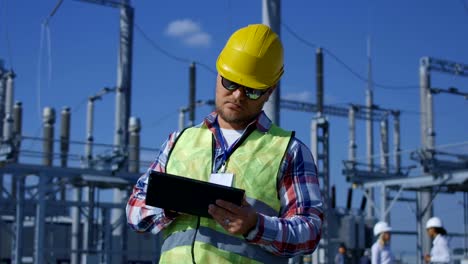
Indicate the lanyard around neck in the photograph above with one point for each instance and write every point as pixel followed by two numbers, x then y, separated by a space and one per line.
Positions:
pixel 228 150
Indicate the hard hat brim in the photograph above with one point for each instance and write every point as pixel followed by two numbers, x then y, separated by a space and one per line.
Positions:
pixel 244 78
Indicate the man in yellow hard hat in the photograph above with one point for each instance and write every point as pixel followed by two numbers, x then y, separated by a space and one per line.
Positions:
pixel 281 215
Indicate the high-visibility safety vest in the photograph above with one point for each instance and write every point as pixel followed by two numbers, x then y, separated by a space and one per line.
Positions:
pixel 255 164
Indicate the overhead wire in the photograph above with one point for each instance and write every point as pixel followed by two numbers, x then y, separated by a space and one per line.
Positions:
pixel 39 70
pixel 56 7
pixel 45 30
pixel 173 57
pixel 168 54
pixel 164 118
pixel 346 66
pixel 158 48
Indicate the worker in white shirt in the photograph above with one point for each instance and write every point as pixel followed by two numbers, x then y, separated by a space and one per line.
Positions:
pixel 440 252
pixel 381 252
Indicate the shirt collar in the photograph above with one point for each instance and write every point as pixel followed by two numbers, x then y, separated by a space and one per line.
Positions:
pixel 262 122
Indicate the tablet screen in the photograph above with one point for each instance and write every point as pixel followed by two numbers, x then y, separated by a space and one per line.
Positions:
pixel 185 195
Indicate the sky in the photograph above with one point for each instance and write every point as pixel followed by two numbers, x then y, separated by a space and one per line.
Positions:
pixel 76 56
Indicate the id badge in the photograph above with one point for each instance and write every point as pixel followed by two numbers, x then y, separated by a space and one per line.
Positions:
pixel 224 179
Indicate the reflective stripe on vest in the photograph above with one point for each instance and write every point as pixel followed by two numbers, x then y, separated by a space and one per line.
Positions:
pixel 255 164
pixel 223 243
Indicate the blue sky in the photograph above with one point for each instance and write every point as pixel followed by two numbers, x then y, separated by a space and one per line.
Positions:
pixel 82 59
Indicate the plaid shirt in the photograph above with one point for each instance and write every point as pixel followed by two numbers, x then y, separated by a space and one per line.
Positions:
pixel 298 228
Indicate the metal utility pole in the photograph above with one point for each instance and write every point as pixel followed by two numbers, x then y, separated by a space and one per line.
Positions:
pixel 384 146
pixel 17 131
pixel 134 145
pixel 3 72
pixel 76 227
pixel 465 216
pixel 124 73
pixel 320 151
pixel 370 128
pixel 89 133
pixel 271 16
pixel 124 79
pixel 134 167
pixel 17 187
pixel 192 93
pixel 428 134
pixel 424 198
pixel 122 107
pixel 384 163
pixel 45 181
pixel 64 136
pixel 396 141
pixel 8 110
pixel 319 79
pixel 90 124
pixel 17 247
pixel 64 145
pixel 123 103
pixel 48 130
pixel 352 135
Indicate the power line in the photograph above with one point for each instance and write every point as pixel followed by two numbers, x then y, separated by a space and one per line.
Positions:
pixel 163 118
pixel 57 6
pixel 45 30
pixel 346 66
pixel 207 68
pixel 158 48
pixel 170 55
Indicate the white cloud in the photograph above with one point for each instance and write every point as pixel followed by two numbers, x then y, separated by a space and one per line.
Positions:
pixel 182 27
pixel 189 32
pixel 305 96
pixel 198 39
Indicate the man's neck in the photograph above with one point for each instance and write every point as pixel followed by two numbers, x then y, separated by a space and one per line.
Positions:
pixel 232 125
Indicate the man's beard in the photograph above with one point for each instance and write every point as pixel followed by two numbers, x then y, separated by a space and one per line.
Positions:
pixel 239 120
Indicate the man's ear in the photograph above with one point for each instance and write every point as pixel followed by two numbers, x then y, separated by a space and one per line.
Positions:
pixel 272 89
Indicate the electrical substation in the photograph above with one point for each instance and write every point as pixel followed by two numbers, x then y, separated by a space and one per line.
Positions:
pixel 52 208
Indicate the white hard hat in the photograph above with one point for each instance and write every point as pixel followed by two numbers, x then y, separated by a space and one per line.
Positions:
pixel 381 227
pixel 434 222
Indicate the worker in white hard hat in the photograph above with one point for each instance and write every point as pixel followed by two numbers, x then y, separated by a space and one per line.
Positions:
pixel 381 252
pixel 440 252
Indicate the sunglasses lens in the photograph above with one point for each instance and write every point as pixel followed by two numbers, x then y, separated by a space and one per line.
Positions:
pixel 252 94
pixel 231 86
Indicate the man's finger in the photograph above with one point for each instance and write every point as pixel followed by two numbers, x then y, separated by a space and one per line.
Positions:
pixel 229 206
pixel 218 213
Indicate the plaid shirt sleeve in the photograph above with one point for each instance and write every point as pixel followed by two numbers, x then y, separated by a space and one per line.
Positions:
pixel 142 217
pixel 298 229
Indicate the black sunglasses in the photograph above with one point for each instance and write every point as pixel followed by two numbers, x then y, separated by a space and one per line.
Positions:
pixel 251 93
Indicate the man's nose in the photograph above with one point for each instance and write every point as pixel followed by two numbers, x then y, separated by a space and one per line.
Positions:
pixel 239 93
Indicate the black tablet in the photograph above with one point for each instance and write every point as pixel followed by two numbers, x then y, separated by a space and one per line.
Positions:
pixel 184 195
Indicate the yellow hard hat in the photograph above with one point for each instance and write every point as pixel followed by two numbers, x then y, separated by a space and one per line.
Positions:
pixel 253 57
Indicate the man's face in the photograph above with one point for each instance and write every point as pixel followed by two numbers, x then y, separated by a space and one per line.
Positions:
pixel 234 108
pixel 342 250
